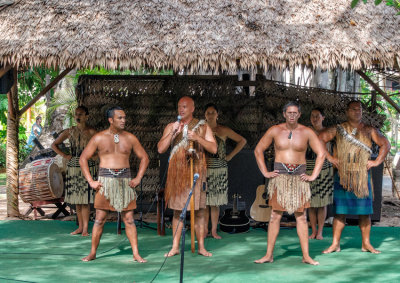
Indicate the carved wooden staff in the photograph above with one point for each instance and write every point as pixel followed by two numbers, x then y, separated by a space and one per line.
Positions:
pixel 192 224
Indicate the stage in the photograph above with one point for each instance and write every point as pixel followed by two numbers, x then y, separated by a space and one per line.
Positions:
pixel 43 251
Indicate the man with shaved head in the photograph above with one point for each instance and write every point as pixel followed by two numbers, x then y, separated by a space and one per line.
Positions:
pixel 179 135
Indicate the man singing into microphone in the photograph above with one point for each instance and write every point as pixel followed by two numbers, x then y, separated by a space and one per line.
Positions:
pixel 179 135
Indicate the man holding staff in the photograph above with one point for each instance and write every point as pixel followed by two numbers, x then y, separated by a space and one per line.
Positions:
pixel 179 135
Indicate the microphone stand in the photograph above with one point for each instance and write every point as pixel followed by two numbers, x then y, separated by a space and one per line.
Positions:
pixel 182 218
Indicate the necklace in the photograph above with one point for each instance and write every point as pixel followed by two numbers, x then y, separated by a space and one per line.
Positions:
pixel 291 133
pixel 116 137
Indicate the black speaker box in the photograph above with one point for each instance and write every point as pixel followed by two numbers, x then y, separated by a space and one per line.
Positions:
pixel 6 82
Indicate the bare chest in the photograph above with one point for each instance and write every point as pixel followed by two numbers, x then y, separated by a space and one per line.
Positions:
pixel 290 141
pixel 109 146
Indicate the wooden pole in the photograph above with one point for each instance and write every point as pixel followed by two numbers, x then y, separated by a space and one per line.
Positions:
pixel 192 223
pixel 379 90
pixel 45 90
pixel 12 149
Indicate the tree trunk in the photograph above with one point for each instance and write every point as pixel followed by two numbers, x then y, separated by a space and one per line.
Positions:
pixel 12 150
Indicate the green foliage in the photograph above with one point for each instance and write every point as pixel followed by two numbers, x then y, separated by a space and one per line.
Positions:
pixel 391 3
pixel 3 109
pixel 23 152
pixel 2 155
pixel 2 179
pixel 32 81
pixel 68 99
pixel 382 105
pixel 103 71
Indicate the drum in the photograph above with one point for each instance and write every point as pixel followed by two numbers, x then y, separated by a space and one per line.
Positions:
pixel 40 180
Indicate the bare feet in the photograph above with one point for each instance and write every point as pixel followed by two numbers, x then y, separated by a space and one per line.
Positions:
pixel 89 257
pixel 369 248
pixel 309 260
pixel 77 231
pixel 85 234
pixel 264 259
pixel 332 249
pixel 312 236
pixel 319 237
pixel 215 235
pixel 138 258
pixel 204 252
pixel 172 252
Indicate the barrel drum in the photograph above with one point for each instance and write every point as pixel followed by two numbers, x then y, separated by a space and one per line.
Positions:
pixel 40 180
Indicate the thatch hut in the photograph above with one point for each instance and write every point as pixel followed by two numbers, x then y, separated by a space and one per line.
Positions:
pixel 189 35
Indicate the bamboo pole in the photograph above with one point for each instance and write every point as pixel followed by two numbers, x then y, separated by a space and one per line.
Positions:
pixel 192 223
pixel 12 149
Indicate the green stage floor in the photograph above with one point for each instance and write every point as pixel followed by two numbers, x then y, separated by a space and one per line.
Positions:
pixel 43 251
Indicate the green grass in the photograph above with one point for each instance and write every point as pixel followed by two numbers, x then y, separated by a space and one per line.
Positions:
pixel 2 179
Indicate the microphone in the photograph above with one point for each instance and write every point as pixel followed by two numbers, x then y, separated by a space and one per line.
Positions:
pixel 179 118
pixel 195 177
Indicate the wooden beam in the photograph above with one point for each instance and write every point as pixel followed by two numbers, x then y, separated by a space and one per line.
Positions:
pixel 44 91
pixel 379 90
pixel 4 70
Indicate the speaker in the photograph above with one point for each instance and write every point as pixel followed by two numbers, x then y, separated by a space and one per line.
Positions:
pixel 243 178
pixel 6 82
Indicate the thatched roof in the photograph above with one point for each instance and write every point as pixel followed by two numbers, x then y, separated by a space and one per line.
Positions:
pixel 198 33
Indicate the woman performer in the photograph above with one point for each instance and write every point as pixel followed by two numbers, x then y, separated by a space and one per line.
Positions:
pixel 77 189
pixel 217 167
pixel 322 187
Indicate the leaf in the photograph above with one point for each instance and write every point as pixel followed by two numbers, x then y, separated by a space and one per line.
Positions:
pixel 377 2
pixel 365 1
pixel 354 3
